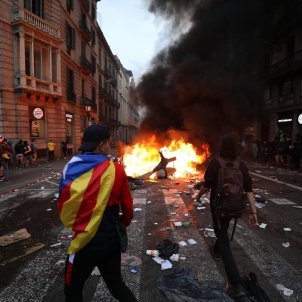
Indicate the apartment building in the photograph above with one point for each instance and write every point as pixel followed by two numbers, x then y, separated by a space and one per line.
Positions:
pixel 57 72
pixel 282 105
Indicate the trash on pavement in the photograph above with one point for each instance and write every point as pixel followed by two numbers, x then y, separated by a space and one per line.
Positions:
pixel 56 244
pixel 201 208
pixel 166 265
pixel 259 205
pixel 167 248
pixel 177 223
pixel 133 270
pixel 209 233
pixel 152 253
pixel 14 237
pixel 182 243
pixel 182 258
pixel 297 207
pixel 287 229
pixel 48 210
pixel 262 225
pixel 286 291
pixel 42 188
pixel 173 213
pixel 137 209
pixel 158 260
pixel 57 195
pixel 149 201
pixel 183 286
pixel 192 241
pixel 175 257
pixel 286 244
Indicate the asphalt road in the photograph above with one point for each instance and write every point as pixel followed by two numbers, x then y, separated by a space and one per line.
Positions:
pixel 29 201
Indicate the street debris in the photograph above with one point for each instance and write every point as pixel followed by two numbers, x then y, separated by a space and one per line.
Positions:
pixel 175 257
pixel 182 243
pixel 297 207
pixel 48 210
pixel 14 237
pixel 28 251
pixel 57 195
pixel 286 244
pixel 152 253
pixel 165 264
pixel 177 223
pixel 209 233
pixel 167 248
pixel 262 225
pixel 286 291
pixel 56 244
pixel 259 205
pixel 133 270
pixel 137 209
pixel 183 286
pixel 287 229
pixel 192 241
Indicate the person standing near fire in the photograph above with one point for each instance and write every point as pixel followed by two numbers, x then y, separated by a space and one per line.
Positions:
pixel 221 250
pixel 51 150
pixel 93 190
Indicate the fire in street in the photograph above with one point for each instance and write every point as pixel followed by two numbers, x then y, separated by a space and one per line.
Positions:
pixel 144 156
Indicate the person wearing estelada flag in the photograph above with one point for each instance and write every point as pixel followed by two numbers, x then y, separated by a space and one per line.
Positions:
pixel 92 189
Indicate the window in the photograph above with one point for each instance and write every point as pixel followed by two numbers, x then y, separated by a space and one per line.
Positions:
pixel 93 12
pixel 93 61
pixel 54 66
pixel 70 86
pixel 70 38
pixel 92 37
pixel 27 57
pixel 286 90
pixel 35 6
pixel 41 61
pixel 69 5
pixel 82 123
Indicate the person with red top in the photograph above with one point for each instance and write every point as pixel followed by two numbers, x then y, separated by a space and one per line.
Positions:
pixel 99 188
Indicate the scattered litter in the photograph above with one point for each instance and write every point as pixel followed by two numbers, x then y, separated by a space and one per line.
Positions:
pixel 182 258
pixel 137 209
pixel 70 236
pixel 174 257
pixel 297 207
pixel 56 244
pixel 166 265
pixel 167 248
pixel 28 251
pixel 133 220
pixel 262 225
pixel 177 223
pixel 286 291
pixel 156 223
pixel 42 188
pixel 192 241
pixel 149 201
pixel 287 229
pixel 133 270
pixel 286 244
pixel 186 214
pixel 48 210
pixel 158 260
pixel 153 253
pixel 60 262
pixel 259 205
pixel 173 213
pixel 182 243
pixel 14 237
pixel 57 195
pixel 201 208
pixel 149 234
pixel 209 233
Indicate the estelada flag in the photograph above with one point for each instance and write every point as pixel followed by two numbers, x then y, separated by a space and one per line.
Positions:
pixel 84 191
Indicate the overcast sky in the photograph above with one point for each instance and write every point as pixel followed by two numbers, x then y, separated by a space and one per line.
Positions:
pixel 133 34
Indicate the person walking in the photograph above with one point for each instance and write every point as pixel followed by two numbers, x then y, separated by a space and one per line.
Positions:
pixel 64 149
pixel 27 154
pixel 228 157
pixel 5 150
pixel 33 147
pixel 19 150
pixel 92 191
pixel 51 150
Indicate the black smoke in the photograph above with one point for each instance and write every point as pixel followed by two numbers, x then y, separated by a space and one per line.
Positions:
pixel 206 82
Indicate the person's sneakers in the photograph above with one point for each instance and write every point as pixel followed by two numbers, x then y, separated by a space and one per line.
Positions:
pixel 236 292
pixel 215 253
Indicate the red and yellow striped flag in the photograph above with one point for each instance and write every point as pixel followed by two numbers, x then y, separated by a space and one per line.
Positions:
pixel 85 188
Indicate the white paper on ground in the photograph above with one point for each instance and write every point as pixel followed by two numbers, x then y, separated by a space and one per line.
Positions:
pixel 287 229
pixel 182 243
pixel 192 241
pixel 262 225
pixel 209 233
pixel 174 257
pixel 166 265
pixel 286 244
pixel 137 209
pixel 177 223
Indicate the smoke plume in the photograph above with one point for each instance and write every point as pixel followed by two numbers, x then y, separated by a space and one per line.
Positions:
pixel 205 83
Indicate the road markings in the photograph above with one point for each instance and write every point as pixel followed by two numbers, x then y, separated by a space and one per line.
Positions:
pixel 277 181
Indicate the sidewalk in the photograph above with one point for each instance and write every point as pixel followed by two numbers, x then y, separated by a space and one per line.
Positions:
pixel 21 177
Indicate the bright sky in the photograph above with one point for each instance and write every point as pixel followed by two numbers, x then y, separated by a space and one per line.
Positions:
pixel 133 34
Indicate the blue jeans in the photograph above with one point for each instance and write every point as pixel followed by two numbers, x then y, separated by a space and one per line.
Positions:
pixel 5 170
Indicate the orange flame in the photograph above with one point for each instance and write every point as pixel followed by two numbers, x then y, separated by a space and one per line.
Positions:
pixel 144 156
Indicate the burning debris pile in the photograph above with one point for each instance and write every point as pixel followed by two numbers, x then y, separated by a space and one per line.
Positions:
pixel 150 159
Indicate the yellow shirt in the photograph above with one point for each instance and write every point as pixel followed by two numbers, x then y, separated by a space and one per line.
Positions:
pixel 51 146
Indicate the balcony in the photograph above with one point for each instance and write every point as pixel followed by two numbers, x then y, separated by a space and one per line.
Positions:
pixel 86 66
pixel 86 33
pixel 287 65
pixel 22 15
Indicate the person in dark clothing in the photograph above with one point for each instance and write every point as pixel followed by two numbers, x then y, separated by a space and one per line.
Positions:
pixel 228 152
pixel 91 211
pixel 19 150
pixel 64 148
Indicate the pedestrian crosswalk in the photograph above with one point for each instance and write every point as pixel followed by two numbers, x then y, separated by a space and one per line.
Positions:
pixel 160 205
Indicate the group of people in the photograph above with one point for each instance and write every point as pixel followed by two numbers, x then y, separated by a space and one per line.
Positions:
pixel 282 152
pixel 92 210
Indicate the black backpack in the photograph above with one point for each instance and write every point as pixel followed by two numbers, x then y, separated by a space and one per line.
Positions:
pixel 230 196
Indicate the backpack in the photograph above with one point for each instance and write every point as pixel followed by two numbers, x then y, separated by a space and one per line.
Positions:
pixel 230 196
